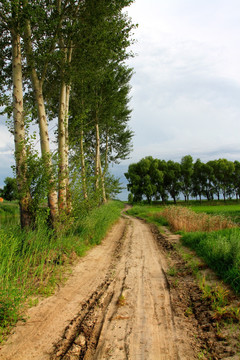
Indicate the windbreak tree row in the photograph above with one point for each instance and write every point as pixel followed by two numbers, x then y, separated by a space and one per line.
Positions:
pixel 156 179
pixel 65 61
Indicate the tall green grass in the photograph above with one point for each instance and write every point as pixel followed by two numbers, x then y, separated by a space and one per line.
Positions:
pixel 9 213
pixel 33 262
pixel 220 250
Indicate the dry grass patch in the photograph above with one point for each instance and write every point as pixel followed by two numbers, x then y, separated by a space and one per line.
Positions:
pixel 184 219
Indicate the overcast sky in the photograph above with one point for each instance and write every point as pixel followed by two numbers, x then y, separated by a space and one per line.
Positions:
pixel 186 86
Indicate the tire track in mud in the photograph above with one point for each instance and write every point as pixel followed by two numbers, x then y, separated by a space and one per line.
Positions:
pixel 81 337
pixel 130 315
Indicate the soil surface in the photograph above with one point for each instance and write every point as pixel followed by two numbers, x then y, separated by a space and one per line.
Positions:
pixel 119 303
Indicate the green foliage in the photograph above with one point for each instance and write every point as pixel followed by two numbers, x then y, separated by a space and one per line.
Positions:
pixel 82 44
pixel 130 198
pixel 186 175
pixel 10 191
pixel 9 207
pixel 155 179
pixel 145 179
pixel 220 250
pixel 172 175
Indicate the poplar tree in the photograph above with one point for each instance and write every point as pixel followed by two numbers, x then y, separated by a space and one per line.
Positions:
pixel 41 29
pixel 186 175
pixel 101 85
pixel 11 19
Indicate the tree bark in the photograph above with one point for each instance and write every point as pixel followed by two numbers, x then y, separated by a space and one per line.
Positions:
pixel 97 156
pixel 98 168
pixel 68 194
pixel 19 133
pixel 104 199
pixel 43 125
pixel 63 148
pixel 62 178
pixel 83 167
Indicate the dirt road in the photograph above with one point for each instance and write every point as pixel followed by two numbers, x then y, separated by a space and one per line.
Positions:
pixel 116 305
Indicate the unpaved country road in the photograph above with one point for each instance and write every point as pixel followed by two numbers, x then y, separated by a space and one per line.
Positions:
pixel 115 305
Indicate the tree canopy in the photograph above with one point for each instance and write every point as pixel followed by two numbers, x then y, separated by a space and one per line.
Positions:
pixel 66 60
pixel 155 179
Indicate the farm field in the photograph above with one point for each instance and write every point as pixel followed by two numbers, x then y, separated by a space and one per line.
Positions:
pixel 232 210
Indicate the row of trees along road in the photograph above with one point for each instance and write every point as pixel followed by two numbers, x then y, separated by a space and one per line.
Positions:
pixel 65 60
pixel 158 179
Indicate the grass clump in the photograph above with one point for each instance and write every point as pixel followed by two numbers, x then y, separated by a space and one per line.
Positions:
pixel 184 219
pixel 220 250
pixel 33 262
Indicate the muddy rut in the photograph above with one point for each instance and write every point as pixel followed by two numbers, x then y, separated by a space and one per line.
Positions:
pixel 116 305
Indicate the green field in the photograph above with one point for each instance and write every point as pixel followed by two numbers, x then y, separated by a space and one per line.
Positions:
pixel 232 211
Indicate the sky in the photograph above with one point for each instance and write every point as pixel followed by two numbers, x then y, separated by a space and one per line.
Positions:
pixel 185 92
pixel 186 86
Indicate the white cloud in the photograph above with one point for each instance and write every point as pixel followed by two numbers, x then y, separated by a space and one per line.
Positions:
pixel 187 83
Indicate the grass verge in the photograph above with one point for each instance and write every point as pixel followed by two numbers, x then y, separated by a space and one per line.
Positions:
pixel 220 250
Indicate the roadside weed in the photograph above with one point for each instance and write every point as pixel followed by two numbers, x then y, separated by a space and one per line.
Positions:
pixel 121 300
pixel 172 271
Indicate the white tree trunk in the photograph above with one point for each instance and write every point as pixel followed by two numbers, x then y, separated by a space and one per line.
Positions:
pixel 19 132
pixel 63 148
pixel 43 125
pixel 62 118
pixel 97 156
pixel 83 167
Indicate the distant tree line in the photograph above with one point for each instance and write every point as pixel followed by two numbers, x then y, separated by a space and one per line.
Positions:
pixel 156 179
